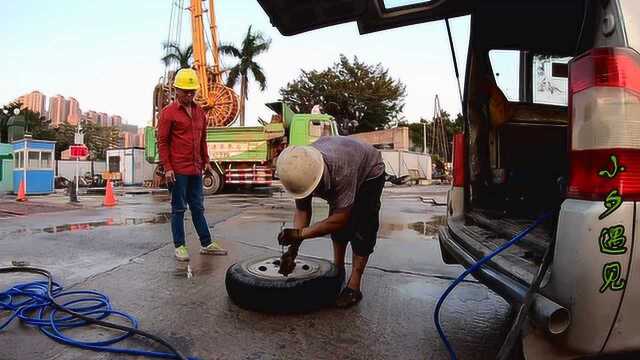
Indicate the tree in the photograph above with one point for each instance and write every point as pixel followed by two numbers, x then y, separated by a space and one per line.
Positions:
pixel 455 126
pixel 175 55
pixel 416 131
pixel 38 126
pixel 100 138
pixel 361 97
pixel 35 124
pixel 97 138
pixel 254 44
pixel 6 112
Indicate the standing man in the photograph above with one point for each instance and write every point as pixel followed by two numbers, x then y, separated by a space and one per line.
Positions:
pixel 349 174
pixel 183 154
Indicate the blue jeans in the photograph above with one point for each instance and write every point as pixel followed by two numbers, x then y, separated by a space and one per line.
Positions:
pixel 188 190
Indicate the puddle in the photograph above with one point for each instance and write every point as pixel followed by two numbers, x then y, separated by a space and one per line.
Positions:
pixel 426 228
pixel 162 218
pixel 183 269
pixel 197 265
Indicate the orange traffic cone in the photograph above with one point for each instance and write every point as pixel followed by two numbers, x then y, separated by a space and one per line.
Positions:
pixel 109 199
pixel 22 196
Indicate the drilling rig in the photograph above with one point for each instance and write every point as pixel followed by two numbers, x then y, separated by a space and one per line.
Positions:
pixel 219 101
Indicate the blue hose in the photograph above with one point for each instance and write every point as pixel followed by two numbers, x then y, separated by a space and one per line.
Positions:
pixel 30 303
pixel 473 268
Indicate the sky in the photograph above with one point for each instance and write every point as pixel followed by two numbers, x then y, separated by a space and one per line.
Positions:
pixel 107 54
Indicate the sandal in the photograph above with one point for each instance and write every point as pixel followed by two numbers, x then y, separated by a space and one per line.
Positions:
pixel 348 297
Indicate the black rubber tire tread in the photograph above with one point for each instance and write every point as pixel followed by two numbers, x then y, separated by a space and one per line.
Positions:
pixel 285 295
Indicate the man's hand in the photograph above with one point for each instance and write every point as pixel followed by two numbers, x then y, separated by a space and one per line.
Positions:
pixel 208 169
pixel 290 237
pixel 170 176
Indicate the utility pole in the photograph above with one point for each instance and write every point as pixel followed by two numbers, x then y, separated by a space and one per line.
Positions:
pixel 25 157
pixel 424 137
pixel 78 139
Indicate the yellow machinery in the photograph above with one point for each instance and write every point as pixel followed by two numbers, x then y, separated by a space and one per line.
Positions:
pixel 219 101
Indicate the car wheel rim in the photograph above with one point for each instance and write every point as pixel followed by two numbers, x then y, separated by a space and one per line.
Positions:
pixel 268 268
pixel 209 182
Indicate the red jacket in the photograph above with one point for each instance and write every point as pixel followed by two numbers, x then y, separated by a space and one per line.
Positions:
pixel 182 139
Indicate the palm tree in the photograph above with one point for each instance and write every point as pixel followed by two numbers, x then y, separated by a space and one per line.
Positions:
pixel 254 44
pixel 6 112
pixel 175 55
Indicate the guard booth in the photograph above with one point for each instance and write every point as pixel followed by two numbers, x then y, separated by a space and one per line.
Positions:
pixel 35 158
pixel 6 168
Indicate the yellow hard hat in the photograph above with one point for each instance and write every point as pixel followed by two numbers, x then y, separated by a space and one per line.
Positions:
pixel 186 79
pixel 300 170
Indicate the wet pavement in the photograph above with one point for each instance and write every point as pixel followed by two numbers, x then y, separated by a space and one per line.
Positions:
pixel 126 253
pixel 11 208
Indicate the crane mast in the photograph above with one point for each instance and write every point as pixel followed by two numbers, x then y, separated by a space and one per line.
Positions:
pixel 199 47
pixel 215 51
pixel 220 102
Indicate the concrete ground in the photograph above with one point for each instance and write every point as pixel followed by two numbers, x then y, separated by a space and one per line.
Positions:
pixel 126 252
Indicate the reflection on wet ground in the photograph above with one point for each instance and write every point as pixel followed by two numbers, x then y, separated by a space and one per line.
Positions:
pixel 161 218
pixel 429 227
pixel 248 192
pixel 160 198
pixel 183 269
pixel 198 264
pixel 426 228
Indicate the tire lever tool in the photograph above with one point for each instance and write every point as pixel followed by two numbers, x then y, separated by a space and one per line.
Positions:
pixel 281 245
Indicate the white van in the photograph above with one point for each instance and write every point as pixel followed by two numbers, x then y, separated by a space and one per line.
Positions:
pixel 566 142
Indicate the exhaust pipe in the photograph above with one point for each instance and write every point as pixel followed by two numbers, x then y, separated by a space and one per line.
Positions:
pixel 548 315
pixel 544 313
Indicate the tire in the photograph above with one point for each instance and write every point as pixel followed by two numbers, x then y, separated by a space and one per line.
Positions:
pixel 212 183
pixel 278 294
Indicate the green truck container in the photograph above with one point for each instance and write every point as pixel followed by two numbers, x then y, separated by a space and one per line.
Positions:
pixel 246 155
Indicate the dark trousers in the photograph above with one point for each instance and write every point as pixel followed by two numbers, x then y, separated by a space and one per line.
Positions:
pixel 362 229
pixel 188 190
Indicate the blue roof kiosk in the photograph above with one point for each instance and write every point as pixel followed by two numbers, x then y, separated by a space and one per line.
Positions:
pixel 38 157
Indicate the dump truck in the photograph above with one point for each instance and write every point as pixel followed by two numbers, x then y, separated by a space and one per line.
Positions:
pixel 247 155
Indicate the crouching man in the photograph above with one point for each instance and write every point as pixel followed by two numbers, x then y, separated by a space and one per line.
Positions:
pixel 349 175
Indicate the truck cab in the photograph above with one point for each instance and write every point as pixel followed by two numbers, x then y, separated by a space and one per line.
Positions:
pixel 302 128
pixel 246 156
pixel 307 128
pixel 559 137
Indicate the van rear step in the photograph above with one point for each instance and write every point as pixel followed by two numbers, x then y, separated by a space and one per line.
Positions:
pixel 506 286
pixel 476 239
pixel 537 240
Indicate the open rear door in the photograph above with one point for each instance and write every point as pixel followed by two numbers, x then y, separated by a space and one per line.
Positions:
pixel 296 16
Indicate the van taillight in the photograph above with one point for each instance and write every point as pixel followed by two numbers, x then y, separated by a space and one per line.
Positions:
pixel 604 107
pixel 458 160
